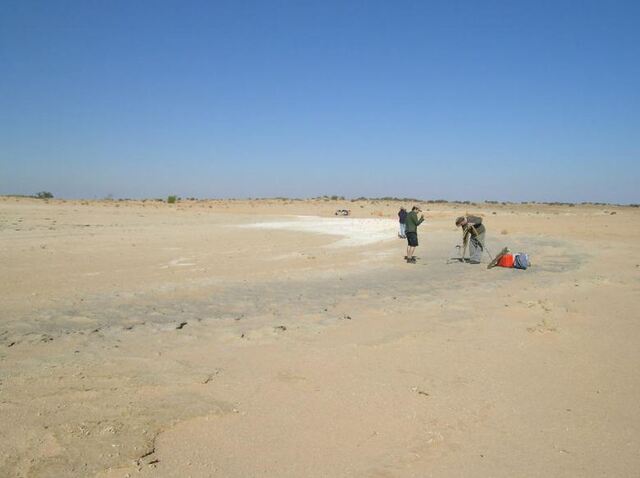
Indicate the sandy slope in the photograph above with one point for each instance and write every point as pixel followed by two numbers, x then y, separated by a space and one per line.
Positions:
pixel 143 339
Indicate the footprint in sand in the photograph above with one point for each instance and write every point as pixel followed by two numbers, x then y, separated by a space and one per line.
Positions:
pixel 290 377
pixel 543 304
pixel 542 327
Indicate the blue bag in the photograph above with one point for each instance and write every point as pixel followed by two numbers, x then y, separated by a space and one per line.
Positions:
pixel 521 261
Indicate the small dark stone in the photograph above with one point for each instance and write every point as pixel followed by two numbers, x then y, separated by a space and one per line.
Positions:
pixel 181 325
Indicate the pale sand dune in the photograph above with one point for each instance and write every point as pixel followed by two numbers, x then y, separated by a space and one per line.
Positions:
pixel 142 339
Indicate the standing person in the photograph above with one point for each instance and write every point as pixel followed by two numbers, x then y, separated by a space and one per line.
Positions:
pixel 472 234
pixel 402 216
pixel 411 231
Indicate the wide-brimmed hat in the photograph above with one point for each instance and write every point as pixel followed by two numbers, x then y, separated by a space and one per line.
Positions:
pixel 460 220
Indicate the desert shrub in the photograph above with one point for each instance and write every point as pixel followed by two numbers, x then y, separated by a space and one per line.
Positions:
pixel 388 198
pixel 172 199
pixel 44 195
pixel 558 203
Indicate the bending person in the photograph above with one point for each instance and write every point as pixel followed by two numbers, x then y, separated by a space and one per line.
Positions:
pixel 473 232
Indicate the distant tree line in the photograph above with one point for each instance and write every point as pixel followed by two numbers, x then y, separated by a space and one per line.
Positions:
pixel 172 199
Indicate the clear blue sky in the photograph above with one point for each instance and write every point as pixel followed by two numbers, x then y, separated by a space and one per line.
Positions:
pixel 458 100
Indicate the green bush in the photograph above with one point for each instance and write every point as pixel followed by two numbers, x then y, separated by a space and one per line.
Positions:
pixel 44 195
pixel 172 199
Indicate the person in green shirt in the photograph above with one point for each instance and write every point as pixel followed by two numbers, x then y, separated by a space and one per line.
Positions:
pixel 411 231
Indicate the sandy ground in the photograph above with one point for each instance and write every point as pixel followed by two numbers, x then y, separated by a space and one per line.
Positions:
pixel 272 339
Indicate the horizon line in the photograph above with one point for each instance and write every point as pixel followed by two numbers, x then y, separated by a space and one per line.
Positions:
pixel 111 198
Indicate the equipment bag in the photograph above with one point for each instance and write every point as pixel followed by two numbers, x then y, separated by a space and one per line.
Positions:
pixel 521 261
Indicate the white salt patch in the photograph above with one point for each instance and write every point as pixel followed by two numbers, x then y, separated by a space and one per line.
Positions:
pixel 179 262
pixel 354 231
